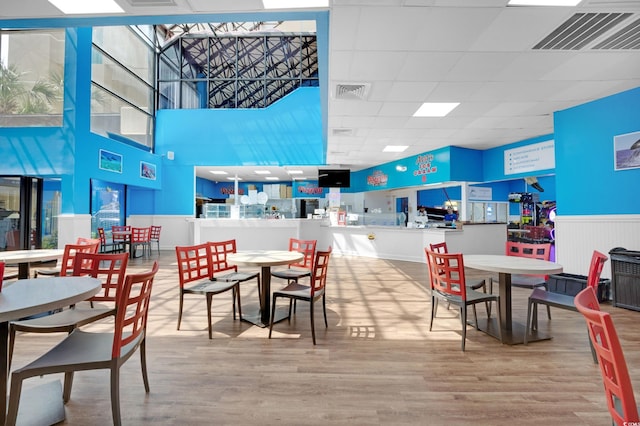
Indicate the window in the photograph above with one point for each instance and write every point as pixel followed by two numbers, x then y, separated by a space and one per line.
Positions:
pixel 31 78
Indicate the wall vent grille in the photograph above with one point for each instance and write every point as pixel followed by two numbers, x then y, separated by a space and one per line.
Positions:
pixel 353 91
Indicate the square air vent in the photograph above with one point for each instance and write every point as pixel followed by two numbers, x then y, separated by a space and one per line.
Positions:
pixel 353 91
pixel 342 132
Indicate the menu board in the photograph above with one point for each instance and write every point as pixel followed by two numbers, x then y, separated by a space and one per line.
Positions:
pixel 530 158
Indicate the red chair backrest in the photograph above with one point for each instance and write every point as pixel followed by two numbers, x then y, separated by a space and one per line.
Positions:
pixel 155 232
pixel 69 256
pixel 140 235
pixel 320 269
pixel 219 251
pixel 120 238
pixel 133 309
pixel 446 272
pixel 595 268
pixel 108 268
pixel 103 238
pixel 306 247
pixel 532 250
pixel 82 240
pixel 193 263
pixel 613 367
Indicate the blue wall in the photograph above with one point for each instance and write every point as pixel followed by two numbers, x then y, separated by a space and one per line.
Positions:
pixel 587 183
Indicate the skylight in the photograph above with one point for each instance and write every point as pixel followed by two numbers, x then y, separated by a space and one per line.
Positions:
pixel 395 148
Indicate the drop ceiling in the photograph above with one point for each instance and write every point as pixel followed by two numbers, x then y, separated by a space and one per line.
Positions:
pixel 509 67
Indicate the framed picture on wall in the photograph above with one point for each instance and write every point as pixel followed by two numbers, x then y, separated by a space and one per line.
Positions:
pixel 110 161
pixel 626 150
pixel 147 170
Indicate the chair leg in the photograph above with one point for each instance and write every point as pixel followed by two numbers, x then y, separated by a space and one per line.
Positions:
pixel 180 310
pixel 209 302
pixel 14 399
pixel 313 327
pixel 12 341
pixel 143 364
pixel 290 308
pixel 463 316
pixel 529 314
pixel 324 309
pixel 233 297
pixel 433 311
pixel 273 310
pixel 239 304
pixel 499 321
pixel 66 389
pixel 259 292
pixel 115 395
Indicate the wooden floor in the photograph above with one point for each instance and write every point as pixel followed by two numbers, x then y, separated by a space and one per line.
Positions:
pixel 377 363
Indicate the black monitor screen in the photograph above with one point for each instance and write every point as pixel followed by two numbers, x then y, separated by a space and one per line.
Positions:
pixel 334 178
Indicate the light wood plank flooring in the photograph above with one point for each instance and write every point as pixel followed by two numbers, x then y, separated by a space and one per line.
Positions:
pixel 377 363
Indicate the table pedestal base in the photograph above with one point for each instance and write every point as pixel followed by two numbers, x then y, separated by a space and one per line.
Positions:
pixel 255 315
pixel 513 337
pixel 41 405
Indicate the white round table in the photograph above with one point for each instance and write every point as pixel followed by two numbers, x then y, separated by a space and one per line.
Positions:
pixel 512 332
pixel 24 257
pixel 264 259
pixel 30 297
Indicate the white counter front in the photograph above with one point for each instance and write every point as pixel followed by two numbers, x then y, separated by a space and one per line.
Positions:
pixel 369 241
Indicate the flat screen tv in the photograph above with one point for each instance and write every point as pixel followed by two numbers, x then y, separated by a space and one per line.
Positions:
pixel 334 178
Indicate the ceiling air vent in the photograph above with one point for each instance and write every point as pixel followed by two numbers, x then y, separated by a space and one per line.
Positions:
pixel 151 3
pixel 627 38
pixel 579 30
pixel 354 91
pixel 342 132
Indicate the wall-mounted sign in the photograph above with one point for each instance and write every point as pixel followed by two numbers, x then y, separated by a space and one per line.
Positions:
pixel 425 165
pixel 110 161
pixel 147 170
pixel 530 158
pixel 377 178
pixel 627 151
pixel 480 193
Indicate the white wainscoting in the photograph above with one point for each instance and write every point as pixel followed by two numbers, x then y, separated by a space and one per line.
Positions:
pixel 578 236
pixel 176 230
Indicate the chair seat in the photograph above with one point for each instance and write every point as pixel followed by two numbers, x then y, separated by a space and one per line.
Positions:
pixel 48 271
pixel 549 298
pixel 78 348
pixel 297 291
pixel 291 273
pixel 236 276
pixel 64 320
pixel 472 297
pixel 208 286
pixel 527 281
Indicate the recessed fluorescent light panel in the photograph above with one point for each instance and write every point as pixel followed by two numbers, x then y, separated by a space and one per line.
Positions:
pixel 272 178
pixel 234 178
pixel 218 172
pixel 294 172
pixel 544 2
pixel 435 109
pixel 262 172
pixel 395 148
pixel 294 4
pixel 74 7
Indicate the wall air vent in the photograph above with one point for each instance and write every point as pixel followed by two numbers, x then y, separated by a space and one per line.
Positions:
pixel 353 91
pixel 627 38
pixel 151 3
pixel 580 30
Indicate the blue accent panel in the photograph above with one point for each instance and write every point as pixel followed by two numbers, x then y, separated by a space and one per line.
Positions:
pixel 36 151
pixel 466 165
pixel 178 190
pixel 587 183
pixel 141 201
pixel 286 133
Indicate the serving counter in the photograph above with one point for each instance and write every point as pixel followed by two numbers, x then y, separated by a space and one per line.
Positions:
pixel 385 242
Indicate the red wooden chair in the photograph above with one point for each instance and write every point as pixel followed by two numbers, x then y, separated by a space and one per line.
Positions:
pixel 307 293
pixel 613 367
pixel 155 236
pixel 296 271
pixel 65 266
pixel 534 251
pixel 81 350
pixel 222 270
pixel 120 239
pixel 140 237
pixel 194 272
pixel 108 246
pixel 540 296
pixel 110 269
pixel 448 283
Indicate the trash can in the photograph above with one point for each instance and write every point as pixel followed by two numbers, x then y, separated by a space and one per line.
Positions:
pixel 571 284
pixel 625 278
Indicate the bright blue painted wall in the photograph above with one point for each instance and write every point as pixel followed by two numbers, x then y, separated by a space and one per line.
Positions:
pixel 289 132
pixel 587 183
